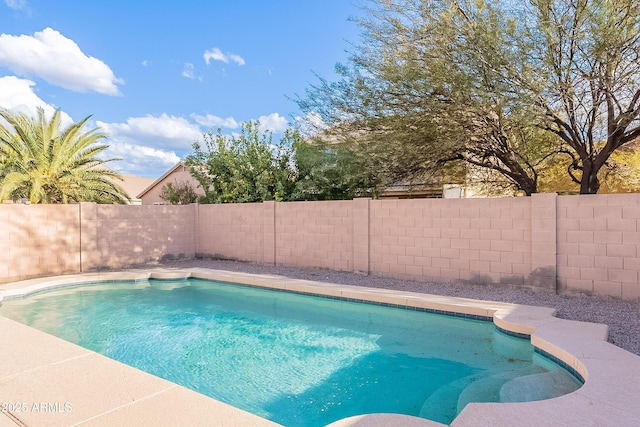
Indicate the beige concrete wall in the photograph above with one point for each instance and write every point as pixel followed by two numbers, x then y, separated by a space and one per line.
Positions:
pixel 576 243
pixel 37 240
pixel 587 244
pixel 42 240
pixel 477 240
pixel 129 235
pixel 599 244
pixel 315 234
pixel 235 231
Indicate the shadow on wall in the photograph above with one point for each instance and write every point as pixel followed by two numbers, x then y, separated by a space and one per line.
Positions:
pixel 217 257
pixel 47 240
pixel 541 279
pixel 132 235
pixel 39 241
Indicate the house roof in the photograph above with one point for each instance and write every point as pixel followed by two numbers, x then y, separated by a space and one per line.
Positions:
pixel 133 184
pixel 159 180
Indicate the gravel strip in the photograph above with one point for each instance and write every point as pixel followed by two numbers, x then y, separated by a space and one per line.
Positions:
pixel 623 317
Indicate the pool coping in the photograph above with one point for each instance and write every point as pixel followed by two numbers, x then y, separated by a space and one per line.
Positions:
pixel 37 368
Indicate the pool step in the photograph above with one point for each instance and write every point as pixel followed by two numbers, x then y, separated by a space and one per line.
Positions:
pixel 489 389
pixel 444 401
pixel 541 386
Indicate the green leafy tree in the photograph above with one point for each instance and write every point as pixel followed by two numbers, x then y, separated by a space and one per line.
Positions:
pixel 331 171
pixel 441 87
pixel 43 163
pixel 415 94
pixel 242 168
pixel 179 193
pixel 249 167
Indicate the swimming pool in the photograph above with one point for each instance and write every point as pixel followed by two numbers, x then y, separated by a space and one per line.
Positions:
pixel 314 386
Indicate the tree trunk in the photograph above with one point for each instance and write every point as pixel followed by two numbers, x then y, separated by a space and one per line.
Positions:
pixel 526 183
pixel 589 183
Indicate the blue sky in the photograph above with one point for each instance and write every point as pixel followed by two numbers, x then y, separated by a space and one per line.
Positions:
pixel 154 75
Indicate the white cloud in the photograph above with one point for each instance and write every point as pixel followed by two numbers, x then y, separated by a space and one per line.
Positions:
pixel 58 60
pixel 149 145
pixel 139 159
pixel 214 121
pixel 146 63
pixel 17 4
pixel 188 71
pixel 217 55
pixel 167 132
pixel 274 122
pixel 16 94
pixel 236 58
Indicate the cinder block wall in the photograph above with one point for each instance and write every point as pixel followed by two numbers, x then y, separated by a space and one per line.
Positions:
pixel 599 244
pixel 573 243
pixel 236 231
pixel 477 240
pixel 580 243
pixel 315 234
pixel 37 240
pixel 126 234
pixel 45 240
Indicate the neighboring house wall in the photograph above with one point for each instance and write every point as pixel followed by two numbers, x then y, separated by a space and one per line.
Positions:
pixel 177 174
pixel 587 243
pixel 133 185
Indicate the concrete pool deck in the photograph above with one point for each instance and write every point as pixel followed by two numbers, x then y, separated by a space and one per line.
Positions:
pixel 46 381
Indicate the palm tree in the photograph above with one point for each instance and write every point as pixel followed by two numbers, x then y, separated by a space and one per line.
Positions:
pixel 46 164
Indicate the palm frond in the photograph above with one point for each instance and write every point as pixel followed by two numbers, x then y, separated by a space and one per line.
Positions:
pixel 47 164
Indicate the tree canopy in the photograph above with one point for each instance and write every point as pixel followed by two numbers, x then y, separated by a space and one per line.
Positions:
pixel 43 163
pixel 586 57
pixel 439 88
pixel 250 167
pixel 241 168
pixel 331 171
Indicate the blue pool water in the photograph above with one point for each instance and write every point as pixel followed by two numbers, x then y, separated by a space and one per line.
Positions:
pixel 296 359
